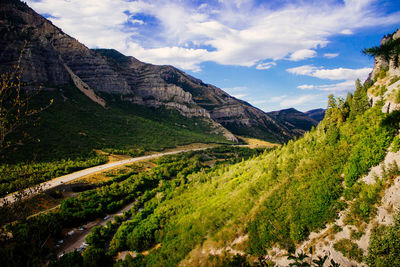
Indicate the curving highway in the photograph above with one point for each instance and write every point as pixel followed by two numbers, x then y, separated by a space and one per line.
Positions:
pixel 29 192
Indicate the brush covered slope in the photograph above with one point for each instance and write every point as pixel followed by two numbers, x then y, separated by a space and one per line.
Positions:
pixel 80 119
pixel 241 214
pixel 63 140
pixel 52 58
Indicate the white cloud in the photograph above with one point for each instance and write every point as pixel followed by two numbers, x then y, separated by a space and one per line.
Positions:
pixel 346 32
pixel 306 87
pixel 236 91
pixel 239 32
pixel 348 85
pixel 277 98
pixel 331 74
pixel 347 76
pixel 239 96
pixel 137 21
pixel 331 55
pixel 302 54
pixel 296 101
pixel 265 66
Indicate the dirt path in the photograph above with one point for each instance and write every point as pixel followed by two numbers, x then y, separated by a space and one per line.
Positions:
pixel 29 192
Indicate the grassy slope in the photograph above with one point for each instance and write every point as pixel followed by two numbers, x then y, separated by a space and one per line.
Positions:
pixel 276 198
pixel 68 131
pixel 77 125
pixel 188 211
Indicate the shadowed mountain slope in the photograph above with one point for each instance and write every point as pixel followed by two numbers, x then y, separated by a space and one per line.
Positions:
pixel 52 58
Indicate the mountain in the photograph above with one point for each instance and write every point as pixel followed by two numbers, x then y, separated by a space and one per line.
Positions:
pixel 294 120
pixel 316 114
pixel 51 58
pixel 328 198
pixel 155 86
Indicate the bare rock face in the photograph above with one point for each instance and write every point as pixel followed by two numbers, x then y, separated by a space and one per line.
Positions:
pixel 156 86
pixel 45 43
pixel 381 63
pixel 389 81
pixel 51 57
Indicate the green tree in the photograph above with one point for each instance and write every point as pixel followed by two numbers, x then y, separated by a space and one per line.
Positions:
pixel 360 101
pixel 96 257
pixel 332 103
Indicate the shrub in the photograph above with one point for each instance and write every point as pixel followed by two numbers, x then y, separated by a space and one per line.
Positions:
pixel 349 249
pixel 384 246
pixel 396 144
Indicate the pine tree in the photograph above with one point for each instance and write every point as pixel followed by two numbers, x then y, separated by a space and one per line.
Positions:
pixel 332 101
pixel 360 101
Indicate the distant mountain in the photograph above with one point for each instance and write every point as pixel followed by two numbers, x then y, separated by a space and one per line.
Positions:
pixel 294 120
pixel 52 58
pixel 316 114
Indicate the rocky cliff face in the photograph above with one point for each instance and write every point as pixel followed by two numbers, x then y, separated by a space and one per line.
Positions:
pixel 382 63
pixel 153 85
pixel 53 58
pixel 385 77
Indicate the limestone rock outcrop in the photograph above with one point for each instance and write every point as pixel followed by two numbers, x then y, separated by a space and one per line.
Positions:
pixel 52 58
pixel 386 74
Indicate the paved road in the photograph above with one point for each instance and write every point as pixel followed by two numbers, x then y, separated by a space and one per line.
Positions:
pixel 78 234
pixel 76 175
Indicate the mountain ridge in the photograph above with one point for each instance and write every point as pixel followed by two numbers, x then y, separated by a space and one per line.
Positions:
pixel 295 120
pixel 52 58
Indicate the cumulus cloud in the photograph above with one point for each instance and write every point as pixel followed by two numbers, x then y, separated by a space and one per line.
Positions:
pixel 240 32
pixel 331 55
pixel 347 76
pixel 346 32
pixel 265 66
pixel 306 87
pixel 331 74
pixel 334 87
pixel 302 54
pixel 296 101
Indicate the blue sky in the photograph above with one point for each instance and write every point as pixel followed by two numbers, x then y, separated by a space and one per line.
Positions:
pixel 272 54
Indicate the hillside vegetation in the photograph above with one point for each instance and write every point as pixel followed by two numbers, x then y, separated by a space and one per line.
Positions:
pixel 186 213
pixel 274 199
pixel 63 140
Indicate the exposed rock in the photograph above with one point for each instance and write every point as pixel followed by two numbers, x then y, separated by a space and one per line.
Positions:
pixel 381 63
pixel 153 85
pixel 53 58
pixel 388 82
pixel 84 88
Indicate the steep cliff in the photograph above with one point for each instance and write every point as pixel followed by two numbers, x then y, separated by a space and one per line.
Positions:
pixel 384 80
pixel 52 58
